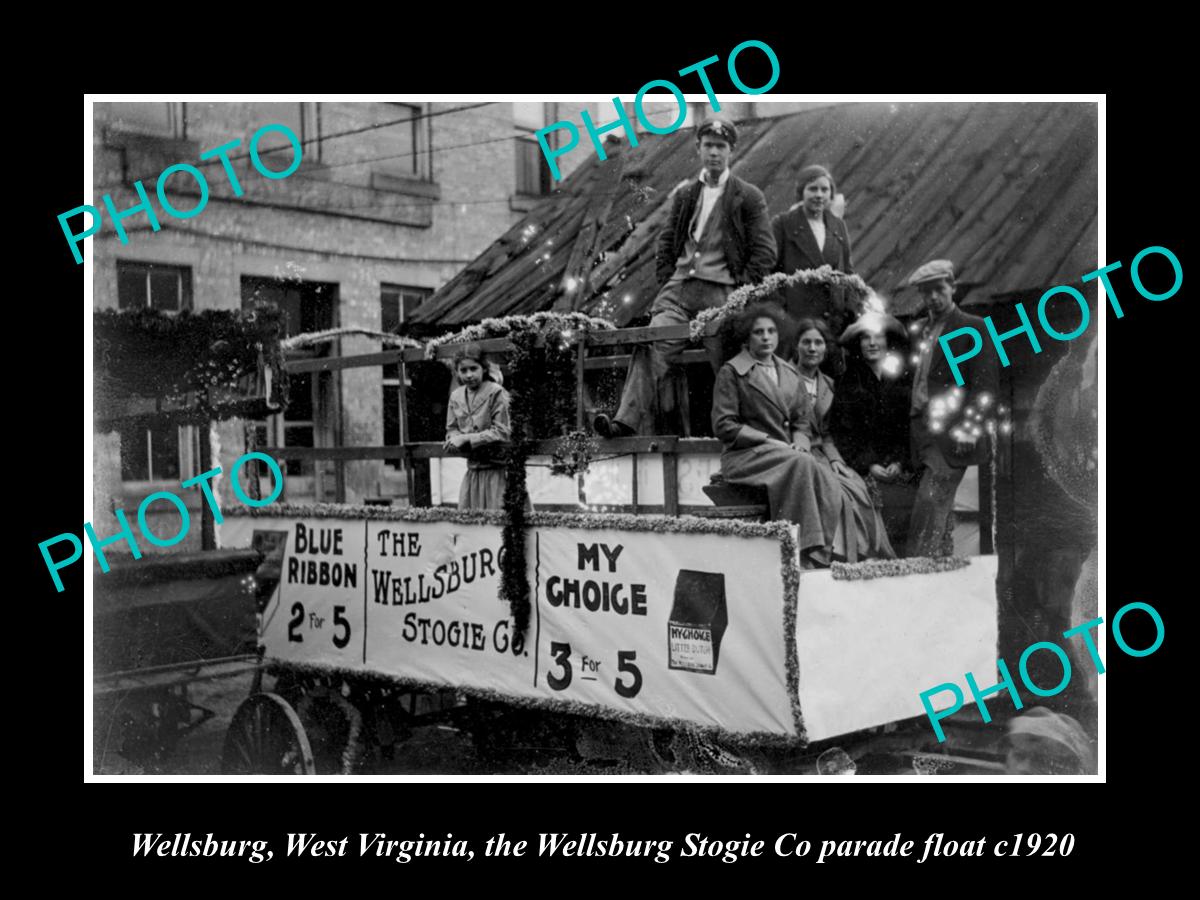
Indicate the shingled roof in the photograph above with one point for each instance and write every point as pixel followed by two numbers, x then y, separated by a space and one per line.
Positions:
pixel 1007 191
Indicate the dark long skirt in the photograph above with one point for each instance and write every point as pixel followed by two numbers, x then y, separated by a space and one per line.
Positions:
pixel 799 489
pixel 861 533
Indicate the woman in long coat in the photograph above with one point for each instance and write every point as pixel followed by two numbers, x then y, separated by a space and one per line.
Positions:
pixel 763 418
pixel 871 417
pixel 809 236
pixel 861 533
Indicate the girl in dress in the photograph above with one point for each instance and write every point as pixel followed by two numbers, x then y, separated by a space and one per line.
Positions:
pixel 477 425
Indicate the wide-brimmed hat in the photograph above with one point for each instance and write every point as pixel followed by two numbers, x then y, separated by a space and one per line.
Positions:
pixel 872 323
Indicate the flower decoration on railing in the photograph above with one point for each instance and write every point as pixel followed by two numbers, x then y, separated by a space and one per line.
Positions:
pixel 573 454
pixel 540 322
pixel 312 338
pixel 772 284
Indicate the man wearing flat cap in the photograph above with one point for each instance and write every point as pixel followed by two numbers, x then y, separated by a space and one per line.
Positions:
pixel 717 237
pixel 947 419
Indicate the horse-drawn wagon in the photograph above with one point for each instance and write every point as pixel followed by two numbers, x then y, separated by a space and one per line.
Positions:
pixel 680 621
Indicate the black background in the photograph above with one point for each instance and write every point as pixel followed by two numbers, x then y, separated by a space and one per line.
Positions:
pixel 1149 539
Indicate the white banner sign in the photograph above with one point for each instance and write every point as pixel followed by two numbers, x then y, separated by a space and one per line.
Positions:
pixel 868 648
pixel 684 626
pixel 646 624
pixel 662 626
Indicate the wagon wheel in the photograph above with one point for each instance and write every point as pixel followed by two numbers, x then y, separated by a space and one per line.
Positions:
pixel 266 738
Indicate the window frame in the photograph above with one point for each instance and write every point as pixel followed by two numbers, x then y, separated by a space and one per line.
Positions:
pixel 302 478
pixel 185 283
pixel 187 458
pixel 186 435
pixel 525 142
pixel 395 382
pixel 421 128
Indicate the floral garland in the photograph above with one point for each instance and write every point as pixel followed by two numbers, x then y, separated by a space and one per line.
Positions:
pixel 531 369
pixel 310 338
pixel 584 521
pixel 540 322
pixel 750 293
pixel 514 578
pixel 891 568
pixel 573 454
pixel 789 563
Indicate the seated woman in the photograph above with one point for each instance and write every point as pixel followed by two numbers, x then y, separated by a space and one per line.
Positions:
pixel 861 534
pixel 763 418
pixel 870 417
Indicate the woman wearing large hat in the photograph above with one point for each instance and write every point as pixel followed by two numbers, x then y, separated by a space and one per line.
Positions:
pixel 870 415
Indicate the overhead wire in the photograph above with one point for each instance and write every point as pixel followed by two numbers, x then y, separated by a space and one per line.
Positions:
pixel 340 134
pixel 383 203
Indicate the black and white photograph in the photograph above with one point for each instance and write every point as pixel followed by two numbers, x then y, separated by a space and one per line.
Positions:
pixel 537 437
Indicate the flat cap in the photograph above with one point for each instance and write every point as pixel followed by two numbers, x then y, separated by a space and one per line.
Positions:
pixel 932 271
pixel 718 128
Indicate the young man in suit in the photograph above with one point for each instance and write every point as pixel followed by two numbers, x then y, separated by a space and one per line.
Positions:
pixel 717 237
pixel 946 418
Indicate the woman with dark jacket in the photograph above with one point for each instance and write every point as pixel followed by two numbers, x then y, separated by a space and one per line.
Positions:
pixel 861 533
pixel 763 418
pixel 870 416
pixel 809 236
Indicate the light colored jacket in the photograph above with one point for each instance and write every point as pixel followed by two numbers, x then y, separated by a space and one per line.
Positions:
pixel 748 407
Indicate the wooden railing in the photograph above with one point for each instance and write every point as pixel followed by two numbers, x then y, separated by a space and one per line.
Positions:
pixel 413 453
pixel 417 454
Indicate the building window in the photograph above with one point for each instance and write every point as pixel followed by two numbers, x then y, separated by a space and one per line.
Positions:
pixel 304 119
pixel 307 306
pixel 398 304
pixel 150 454
pixel 165 288
pixel 158 119
pixel 533 172
pixel 153 454
pixel 413 139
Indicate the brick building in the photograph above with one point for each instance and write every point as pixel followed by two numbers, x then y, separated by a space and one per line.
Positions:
pixel 389 202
